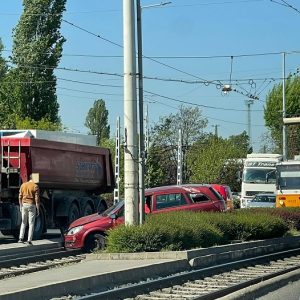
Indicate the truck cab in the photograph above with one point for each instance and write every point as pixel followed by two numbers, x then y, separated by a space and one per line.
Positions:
pixel 258 176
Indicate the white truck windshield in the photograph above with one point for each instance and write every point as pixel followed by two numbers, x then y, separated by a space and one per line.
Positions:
pixel 253 175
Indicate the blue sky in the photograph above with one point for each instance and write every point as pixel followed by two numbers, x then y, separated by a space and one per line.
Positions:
pixel 193 41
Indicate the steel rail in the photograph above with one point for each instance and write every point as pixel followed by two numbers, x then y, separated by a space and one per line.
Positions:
pixel 164 287
pixel 32 261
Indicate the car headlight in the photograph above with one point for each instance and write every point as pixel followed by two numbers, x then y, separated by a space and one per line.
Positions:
pixel 74 230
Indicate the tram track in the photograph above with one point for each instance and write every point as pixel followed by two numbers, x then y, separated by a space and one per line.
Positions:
pixel 207 283
pixel 34 260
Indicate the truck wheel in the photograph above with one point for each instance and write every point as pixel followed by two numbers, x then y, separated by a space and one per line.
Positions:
pixel 88 210
pixel 94 242
pixel 73 213
pixel 102 207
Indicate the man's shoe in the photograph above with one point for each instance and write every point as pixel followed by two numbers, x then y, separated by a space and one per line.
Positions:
pixel 29 243
pixel 21 241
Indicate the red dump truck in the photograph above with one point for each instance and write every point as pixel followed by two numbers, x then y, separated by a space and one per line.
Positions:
pixel 71 172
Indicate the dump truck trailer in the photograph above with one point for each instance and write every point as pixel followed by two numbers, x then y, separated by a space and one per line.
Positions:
pixel 71 172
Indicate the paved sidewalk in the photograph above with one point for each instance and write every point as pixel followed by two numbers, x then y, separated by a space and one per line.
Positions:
pixel 100 274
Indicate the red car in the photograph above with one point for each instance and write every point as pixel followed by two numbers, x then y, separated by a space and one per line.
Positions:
pixel 88 233
pixel 225 192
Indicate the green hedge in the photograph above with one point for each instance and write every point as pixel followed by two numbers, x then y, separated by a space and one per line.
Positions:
pixel 187 230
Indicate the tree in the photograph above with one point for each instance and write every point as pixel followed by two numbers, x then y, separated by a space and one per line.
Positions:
pixel 273 114
pixel 6 105
pixel 97 121
pixel 42 124
pixel 164 137
pixel 37 49
pixel 216 160
pixel 240 141
pixel 3 64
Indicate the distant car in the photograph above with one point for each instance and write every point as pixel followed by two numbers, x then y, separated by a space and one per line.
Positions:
pixel 88 233
pixel 225 192
pixel 263 200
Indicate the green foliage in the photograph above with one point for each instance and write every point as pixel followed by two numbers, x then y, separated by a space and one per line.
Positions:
pixel 155 174
pixel 135 239
pixel 248 224
pixel 3 65
pixel 186 230
pixel 97 121
pixel 37 49
pixel 216 160
pixel 273 113
pixel 291 215
pixel 162 158
pixel 42 124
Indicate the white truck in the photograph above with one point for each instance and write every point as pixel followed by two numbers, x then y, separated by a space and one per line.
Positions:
pixel 258 176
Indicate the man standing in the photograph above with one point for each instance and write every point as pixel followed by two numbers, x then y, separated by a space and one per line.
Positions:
pixel 29 200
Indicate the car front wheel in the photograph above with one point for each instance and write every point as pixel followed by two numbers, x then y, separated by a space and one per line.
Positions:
pixel 94 242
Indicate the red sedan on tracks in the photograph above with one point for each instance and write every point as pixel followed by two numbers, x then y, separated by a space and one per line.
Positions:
pixel 88 233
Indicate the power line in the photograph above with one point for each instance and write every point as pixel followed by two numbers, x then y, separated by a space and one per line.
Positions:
pixel 286 4
pixel 195 104
pixel 88 92
pixel 216 82
pixel 182 56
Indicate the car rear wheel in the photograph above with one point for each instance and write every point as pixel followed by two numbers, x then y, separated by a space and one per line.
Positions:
pixel 94 242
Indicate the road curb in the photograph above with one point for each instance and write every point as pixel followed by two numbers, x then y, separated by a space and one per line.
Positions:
pixel 101 282
pixel 263 288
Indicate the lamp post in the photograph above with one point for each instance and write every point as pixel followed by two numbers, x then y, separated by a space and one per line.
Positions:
pixel 284 133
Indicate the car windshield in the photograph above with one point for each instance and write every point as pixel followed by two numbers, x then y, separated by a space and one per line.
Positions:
pixel 113 209
pixel 259 175
pixel 264 198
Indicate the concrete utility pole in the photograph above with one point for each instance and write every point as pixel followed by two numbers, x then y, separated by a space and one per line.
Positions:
pixel 130 116
pixel 284 133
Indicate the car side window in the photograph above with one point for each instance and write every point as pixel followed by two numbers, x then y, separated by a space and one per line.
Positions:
pixel 199 197
pixel 169 200
pixel 148 204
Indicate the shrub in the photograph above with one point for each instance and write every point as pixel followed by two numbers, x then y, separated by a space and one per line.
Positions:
pixel 172 231
pixel 290 215
pixel 186 230
pixel 135 239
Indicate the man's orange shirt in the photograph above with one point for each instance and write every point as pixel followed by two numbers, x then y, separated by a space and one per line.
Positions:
pixel 29 193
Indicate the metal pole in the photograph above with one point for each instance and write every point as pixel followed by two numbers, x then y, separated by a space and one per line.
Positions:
pixel 284 133
pixel 179 159
pixel 248 103
pixel 117 163
pixel 141 114
pixel 130 116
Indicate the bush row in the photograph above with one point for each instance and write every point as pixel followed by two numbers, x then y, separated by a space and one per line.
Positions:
pixel 186 230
